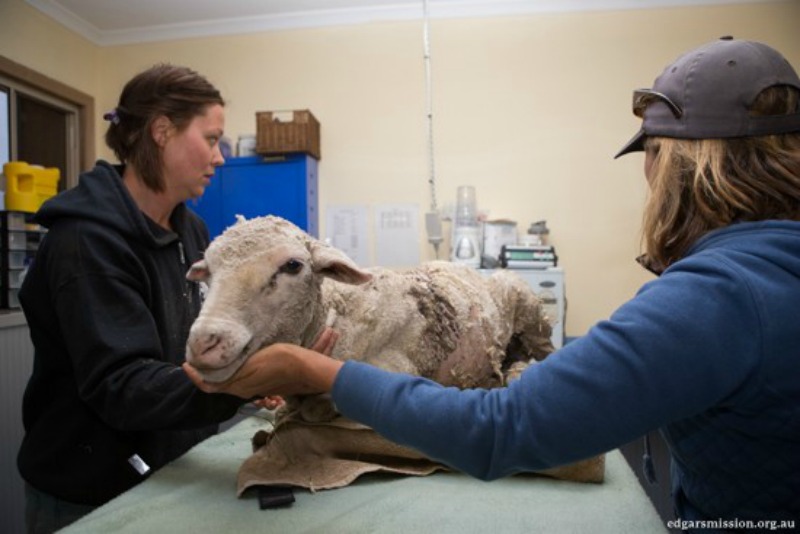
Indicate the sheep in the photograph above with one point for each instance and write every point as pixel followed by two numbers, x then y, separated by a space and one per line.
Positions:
pixel 269 281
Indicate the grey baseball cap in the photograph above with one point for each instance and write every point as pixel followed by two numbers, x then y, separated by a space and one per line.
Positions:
pixel 707 92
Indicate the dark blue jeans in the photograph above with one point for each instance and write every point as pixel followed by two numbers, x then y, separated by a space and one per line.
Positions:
pixel 44 514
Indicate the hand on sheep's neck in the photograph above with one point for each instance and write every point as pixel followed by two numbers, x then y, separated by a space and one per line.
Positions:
pixel 324 316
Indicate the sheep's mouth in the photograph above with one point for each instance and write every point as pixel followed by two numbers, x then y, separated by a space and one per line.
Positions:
pixel 221 374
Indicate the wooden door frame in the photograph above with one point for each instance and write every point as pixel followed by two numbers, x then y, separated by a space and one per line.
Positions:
pixel 84 103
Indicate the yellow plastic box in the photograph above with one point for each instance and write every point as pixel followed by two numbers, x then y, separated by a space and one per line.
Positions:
pixel 28 186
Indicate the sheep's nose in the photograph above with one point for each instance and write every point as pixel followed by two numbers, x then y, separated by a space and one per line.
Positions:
pixel 203 343
pixel 204 349
pixel 215 343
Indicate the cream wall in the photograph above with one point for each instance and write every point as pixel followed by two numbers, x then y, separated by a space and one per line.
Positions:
pixel 36 41
pixel 528 109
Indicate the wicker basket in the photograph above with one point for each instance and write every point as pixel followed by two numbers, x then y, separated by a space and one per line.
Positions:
pixel 275 136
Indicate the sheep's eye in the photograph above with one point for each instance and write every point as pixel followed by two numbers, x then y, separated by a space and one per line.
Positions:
pixel 292 266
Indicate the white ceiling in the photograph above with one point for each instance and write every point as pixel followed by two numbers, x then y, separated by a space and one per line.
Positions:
pixel 110 22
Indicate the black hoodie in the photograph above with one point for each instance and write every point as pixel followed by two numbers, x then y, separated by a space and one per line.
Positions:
pixel 109 310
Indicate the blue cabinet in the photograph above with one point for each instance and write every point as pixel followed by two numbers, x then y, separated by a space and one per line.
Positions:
pixel 253 186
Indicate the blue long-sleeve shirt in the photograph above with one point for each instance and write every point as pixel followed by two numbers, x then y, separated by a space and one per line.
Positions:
pixel 709 352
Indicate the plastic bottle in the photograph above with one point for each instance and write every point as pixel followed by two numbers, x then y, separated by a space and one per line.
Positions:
pixel 466 230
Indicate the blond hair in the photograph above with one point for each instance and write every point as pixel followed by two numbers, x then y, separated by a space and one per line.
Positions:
pixel 700 185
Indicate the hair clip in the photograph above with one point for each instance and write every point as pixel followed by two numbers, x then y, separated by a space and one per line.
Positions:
pixel 112 116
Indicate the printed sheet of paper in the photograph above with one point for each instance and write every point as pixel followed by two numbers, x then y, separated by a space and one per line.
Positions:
pixel 346 228
pixel 397 235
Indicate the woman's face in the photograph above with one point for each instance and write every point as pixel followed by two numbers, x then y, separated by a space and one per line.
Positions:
pixel 191 156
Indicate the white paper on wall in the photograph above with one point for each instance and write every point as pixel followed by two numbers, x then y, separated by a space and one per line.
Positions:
pixel 346 228
pixel 397 235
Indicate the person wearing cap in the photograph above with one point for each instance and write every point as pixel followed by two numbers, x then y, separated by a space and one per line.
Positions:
pixel 709 351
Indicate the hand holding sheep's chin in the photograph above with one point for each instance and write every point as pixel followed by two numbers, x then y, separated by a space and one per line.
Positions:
pixel 279 369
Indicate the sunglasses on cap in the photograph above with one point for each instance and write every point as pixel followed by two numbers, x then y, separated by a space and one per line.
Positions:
pixel 644 97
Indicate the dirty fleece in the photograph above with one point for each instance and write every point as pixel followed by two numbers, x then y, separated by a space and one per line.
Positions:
pixel 446 322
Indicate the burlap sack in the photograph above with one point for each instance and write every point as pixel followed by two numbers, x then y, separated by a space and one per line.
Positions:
pixel 330 455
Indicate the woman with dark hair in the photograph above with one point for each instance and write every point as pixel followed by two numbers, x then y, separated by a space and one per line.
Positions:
pixel 109 307
pixel 709 351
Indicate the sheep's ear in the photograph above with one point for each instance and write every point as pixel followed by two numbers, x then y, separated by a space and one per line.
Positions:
pixel 334 263
pixel 198 272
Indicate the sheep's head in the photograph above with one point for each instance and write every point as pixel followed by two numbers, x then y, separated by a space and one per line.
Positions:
pixel 264 277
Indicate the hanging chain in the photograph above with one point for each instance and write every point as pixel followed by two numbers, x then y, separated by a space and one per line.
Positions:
pixel 429 104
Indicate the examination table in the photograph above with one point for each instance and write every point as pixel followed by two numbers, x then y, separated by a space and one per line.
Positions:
pixel 197 493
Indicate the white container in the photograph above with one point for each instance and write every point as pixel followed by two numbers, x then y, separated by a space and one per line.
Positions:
pixel 538 234
pixel 530 240
pixel 246 146
pixel 466 206
pixel 496 234
pixel 466 243
pixel 466 246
